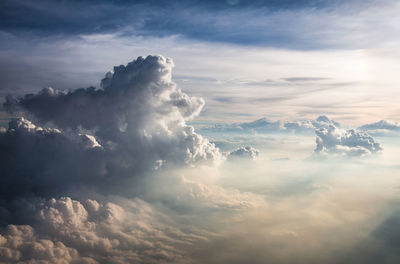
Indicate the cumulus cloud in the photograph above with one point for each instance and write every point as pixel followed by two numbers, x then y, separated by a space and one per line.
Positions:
pixel 244 152
pixel 138 107
pixel 69 231
pixel 117 141
pixel 102 137
pixel 19 244
pixel 341 142
pixel 112 229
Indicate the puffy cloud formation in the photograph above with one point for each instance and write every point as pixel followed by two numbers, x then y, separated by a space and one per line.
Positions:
pixel 69 231
pixel 244 152
pixel 103 137
pixel 112 229
pixel 20 245
pixel 138 108
pixel 263 125
pixel 381 125
pixel 341 142
pixel 25 127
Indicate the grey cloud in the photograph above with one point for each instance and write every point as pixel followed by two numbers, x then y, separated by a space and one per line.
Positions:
pixel 104 137
pixel 304 79
pixel 381 245
pixel 289 24
pixel 43 161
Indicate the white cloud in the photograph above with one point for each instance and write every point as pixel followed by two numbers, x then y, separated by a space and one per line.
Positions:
pixel 341 142
pixel 24 126
pixel 89 141
pixel 244 152
pixel 263 125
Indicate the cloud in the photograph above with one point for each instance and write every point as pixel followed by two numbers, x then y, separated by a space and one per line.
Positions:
pixel 244 152
pixel 305 79
pixel 263 125
pixel 115 175
pixel 381 125
pixel 273 23
pixel 103 137
pixel 19 244
pixel 341 142
pixel 69 231
pixel 46 161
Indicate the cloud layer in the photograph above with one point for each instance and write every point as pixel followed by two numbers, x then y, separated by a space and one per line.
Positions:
pixel 263 125
pixel 115 175
pixel 381 125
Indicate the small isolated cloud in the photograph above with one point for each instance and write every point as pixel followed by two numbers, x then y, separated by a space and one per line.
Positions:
pixel 341 142
pixel 244 152
pixel 89 141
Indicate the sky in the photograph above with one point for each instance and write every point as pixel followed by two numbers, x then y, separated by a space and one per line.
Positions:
pixel 196 131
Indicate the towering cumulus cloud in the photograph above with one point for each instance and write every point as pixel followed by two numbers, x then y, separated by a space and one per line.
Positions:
pixel 134 124
pixel 100 144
